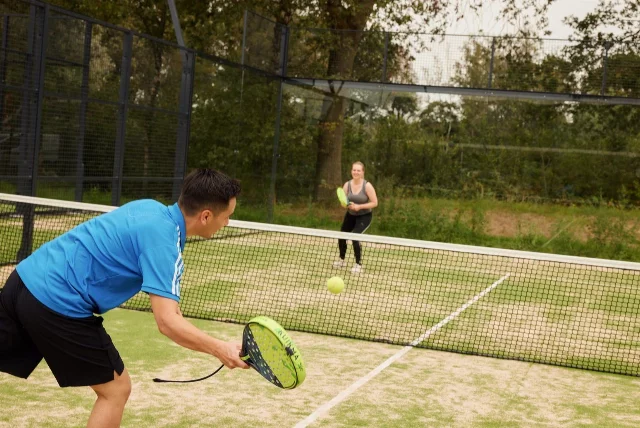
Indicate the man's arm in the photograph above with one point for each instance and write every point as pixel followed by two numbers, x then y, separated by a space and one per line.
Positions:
pixel 172 324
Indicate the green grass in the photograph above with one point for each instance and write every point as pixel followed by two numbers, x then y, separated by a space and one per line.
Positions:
pixel 423 388
pixel 559 314
pixel 589 231
pixel 45 229
pixel 569 314
pixel 601 231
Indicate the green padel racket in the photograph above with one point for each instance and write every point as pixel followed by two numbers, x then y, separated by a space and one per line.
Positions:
pixel 342 197
pixel 267 348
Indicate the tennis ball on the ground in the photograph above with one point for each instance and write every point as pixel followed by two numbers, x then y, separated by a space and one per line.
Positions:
pixel 335 284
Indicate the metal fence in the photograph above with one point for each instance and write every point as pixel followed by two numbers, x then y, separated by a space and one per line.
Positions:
pixel 598 68
pixel 88 106
pixel 94 112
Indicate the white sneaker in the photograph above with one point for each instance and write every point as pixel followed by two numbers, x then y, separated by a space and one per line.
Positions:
pixel 340 263
pixel 356 268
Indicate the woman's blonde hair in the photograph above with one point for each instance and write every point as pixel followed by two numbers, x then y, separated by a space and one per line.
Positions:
pixel 358 163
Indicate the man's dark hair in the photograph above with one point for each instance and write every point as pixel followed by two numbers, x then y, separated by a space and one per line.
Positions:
pixel 207 188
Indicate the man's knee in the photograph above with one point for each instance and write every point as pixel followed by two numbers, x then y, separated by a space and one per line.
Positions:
pixel 118 389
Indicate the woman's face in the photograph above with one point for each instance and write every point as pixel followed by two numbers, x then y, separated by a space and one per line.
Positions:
pixel 356 171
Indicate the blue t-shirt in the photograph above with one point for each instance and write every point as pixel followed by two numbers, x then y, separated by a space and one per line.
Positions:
pixel 105 261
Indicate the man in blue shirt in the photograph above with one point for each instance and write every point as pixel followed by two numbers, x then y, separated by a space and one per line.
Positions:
pixel 48 303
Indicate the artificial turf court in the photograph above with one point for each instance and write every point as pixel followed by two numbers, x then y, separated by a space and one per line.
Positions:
pixel 560 311
pixel 424 388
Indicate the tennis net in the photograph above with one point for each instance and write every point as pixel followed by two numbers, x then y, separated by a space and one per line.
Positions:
pixel 544 308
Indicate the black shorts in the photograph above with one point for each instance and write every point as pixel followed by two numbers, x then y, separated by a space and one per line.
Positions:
pixel 78 351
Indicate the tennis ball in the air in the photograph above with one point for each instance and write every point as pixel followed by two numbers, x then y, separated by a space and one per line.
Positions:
pixel 335 284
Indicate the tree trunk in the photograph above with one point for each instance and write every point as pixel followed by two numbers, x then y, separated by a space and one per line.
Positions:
pixel 329 158
pixel 341 59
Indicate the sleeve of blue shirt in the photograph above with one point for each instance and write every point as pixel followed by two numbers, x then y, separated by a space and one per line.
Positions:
pixel 162 269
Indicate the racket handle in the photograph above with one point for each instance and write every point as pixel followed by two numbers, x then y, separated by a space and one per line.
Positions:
pixel 187 381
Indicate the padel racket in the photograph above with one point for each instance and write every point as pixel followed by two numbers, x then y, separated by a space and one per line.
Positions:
pixel 267 348
pixel 342 197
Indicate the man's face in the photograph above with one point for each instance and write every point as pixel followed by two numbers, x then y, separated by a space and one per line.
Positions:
pixel 213 222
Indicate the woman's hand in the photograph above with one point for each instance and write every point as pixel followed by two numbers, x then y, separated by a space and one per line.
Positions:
pixel 354 207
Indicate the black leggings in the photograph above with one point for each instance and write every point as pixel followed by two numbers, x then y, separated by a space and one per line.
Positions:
pixel 354 224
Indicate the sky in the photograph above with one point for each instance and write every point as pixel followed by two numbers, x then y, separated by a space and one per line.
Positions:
pixel 485 21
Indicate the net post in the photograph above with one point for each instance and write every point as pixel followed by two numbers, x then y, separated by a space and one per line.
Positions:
pixel 84 95
pixel 118 158
pixel 27 211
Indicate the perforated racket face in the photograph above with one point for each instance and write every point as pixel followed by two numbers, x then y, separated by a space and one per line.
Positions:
pixel 342 197
pixel 271 353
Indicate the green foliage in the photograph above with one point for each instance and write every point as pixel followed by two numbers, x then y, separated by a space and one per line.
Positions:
pixel 456 147
pixel 600 232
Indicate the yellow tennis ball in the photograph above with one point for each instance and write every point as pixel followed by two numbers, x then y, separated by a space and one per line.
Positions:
pixel 335 284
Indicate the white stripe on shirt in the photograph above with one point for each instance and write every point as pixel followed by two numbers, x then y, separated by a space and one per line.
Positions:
pixel 177 269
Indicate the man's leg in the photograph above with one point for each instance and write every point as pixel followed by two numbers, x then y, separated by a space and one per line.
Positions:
pixel 18 354
pixel 79 352
pixel 112 397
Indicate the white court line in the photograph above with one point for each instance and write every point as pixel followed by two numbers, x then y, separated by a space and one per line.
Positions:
pixel 357 384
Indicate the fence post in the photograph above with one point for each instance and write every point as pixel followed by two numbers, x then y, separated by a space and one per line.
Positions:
pixel 386 56
pixel 84 95
pixel 176 22
pixel 605 61
pixel 244 36
pixel 4 44
pixel 24 167
pixel 184 122
pixel 32 109
pixel 29 87
pixel 493 52
pixel 284 49
pixel 40 60
pixel 118 158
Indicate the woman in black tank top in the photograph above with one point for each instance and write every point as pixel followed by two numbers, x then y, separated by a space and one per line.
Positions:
pixel 362 199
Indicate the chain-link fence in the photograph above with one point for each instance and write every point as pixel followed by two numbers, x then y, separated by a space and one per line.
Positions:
pixel 506 63
pixel 451 116
pixel 89 108
pixel 94 112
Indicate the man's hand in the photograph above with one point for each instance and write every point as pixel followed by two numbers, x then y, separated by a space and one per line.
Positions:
pixel 229 355
pixel 172 324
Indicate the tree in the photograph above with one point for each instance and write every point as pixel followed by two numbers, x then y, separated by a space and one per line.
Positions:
pixel 350 19
pixel 349 51
pixel 596 45
pixel 404 106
